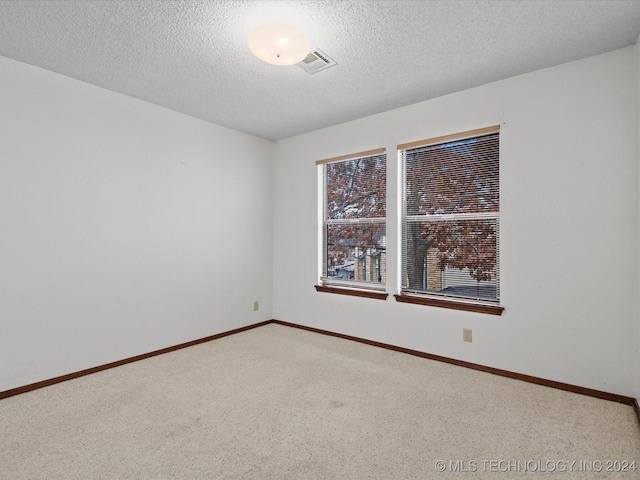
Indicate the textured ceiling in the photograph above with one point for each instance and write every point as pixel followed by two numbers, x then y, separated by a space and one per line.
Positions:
pixel 192 56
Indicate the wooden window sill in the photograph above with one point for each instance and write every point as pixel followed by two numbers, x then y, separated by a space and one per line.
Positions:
pixel 456 304
pixel 354 292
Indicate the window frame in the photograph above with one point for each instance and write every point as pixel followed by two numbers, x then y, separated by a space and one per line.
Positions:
pixel 359 288
pixel 406 295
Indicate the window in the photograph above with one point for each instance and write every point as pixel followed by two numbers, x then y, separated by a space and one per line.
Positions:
pixel 354 222
pixel 450 221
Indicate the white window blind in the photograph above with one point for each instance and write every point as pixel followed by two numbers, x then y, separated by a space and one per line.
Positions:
pixel 450 216
pixel 354 220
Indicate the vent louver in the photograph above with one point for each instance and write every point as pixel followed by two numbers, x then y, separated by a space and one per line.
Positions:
pixel 316 61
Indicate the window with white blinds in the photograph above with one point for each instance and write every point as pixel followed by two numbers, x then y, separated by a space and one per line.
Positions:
pixel 450 216
pixel 354 220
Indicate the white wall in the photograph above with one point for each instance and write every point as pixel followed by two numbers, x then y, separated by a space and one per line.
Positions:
pixel 568 226
pixel 119 228
pixel 119 231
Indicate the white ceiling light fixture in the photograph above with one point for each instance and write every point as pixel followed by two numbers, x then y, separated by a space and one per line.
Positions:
pixel 278 44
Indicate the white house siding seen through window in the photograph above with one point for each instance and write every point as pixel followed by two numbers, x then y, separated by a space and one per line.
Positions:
pixel 354 228
pixel 450 222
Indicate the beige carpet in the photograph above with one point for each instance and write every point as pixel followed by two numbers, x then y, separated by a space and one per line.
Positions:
pixel 281 403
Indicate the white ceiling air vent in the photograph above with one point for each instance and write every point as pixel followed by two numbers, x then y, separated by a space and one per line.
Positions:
pixel 316 60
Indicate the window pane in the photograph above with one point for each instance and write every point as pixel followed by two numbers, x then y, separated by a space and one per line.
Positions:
pixel 354 227
pixel 356 252
pixel 453 257
pixel 454 177
pixel 450 234
pixel 356 188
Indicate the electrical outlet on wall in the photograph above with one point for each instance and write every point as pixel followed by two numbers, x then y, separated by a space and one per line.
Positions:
pixel 256 306
pixel 466 335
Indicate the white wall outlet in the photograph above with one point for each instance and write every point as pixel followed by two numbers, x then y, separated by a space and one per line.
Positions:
pixel 256 306
pixel 466 335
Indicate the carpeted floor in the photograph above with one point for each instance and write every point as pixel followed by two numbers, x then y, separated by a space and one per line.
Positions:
pixel 281 403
